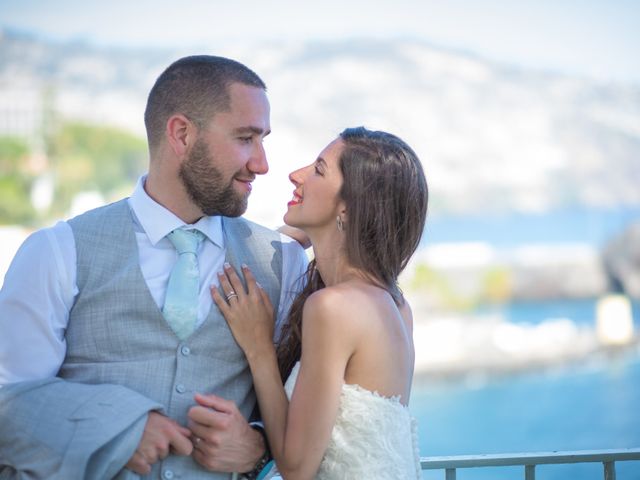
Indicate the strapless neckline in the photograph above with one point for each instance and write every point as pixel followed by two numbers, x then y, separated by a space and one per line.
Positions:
pixel 394 399
pixel 374 436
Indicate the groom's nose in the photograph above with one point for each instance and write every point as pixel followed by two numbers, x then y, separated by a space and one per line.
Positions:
pixel 258 162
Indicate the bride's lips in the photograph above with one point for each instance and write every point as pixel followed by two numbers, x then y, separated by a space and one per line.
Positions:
pixel 296 200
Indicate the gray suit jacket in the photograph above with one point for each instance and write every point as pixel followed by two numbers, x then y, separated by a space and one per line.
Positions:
pixel 60 421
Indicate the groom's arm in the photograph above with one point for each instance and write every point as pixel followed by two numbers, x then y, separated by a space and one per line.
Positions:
pixel 57 429
pixel 35 300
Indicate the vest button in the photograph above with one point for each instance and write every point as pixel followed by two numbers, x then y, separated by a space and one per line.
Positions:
pixel 168 474
pixel 185 351
pixel 180 388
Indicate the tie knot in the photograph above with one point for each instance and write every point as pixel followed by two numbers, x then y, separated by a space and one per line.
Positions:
pixel 185 241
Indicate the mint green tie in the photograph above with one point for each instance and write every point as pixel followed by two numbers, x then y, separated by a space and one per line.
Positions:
pixel 181 302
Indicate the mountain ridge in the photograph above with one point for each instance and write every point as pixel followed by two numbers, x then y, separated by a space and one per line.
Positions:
pixel 492 137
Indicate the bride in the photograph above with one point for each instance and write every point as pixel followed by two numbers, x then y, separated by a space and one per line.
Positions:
pixel 347 349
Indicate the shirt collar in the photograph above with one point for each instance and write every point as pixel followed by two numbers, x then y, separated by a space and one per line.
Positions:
pixel 157 221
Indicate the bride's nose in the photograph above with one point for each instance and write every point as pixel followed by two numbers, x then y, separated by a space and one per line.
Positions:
pixel 295 177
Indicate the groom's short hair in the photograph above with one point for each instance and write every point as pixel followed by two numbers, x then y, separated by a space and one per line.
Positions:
pixel 197 87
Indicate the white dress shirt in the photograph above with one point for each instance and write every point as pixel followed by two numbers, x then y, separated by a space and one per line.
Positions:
pixel 40 286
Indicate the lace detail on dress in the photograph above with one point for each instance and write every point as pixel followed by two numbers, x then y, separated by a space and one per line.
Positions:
pixel 374 437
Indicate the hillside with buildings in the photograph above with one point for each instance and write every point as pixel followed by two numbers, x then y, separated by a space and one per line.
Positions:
pixel 492 137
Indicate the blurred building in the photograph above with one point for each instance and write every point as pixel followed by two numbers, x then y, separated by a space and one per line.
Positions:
pixel 22 114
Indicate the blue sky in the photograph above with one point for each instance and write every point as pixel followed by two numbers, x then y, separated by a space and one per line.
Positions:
pixel 599 39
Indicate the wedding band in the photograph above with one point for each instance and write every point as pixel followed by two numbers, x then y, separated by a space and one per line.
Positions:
pixel 231 295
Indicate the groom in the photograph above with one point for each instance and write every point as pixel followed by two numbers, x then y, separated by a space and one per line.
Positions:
pixel 109 341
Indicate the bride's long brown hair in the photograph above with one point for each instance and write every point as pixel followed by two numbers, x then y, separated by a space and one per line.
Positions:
pixel 385 192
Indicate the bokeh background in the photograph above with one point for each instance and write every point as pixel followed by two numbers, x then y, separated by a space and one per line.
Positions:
pixel 526 116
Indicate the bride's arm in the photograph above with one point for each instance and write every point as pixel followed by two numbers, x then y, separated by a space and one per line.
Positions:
pixel 327 345
pixel 299 432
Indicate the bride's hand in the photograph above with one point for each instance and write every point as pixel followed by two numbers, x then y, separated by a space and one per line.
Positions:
pixel 249 313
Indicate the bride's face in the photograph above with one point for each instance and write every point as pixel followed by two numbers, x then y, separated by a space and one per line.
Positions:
pixel 316 202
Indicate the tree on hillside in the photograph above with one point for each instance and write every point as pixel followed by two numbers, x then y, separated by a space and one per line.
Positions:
pixel 15 182
pixel 81 158
pixel 88 157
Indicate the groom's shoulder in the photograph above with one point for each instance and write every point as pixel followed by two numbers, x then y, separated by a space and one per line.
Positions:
pixel 293 254
pixel 250 229
pixel 105 224
pixel 100 212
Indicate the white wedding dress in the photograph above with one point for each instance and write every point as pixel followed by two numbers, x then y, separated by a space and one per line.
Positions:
pixel 374 437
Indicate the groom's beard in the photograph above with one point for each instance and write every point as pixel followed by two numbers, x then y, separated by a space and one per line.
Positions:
pixel 206 186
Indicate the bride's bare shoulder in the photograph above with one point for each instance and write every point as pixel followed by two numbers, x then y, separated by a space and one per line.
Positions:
pixel 332 300
pixel 340 295
pixel 332 319
pixel 345 301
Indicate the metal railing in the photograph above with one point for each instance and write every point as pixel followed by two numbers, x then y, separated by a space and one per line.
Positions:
pixel 530 460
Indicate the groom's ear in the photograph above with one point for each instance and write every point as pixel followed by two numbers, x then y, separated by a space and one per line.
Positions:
pixel 180 133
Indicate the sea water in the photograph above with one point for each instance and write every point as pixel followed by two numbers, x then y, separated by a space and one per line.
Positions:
pixel 592 404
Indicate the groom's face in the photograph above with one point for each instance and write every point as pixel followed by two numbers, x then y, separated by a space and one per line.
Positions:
pixel 228 154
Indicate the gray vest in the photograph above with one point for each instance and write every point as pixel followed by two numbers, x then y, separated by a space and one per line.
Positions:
pixel 117 334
